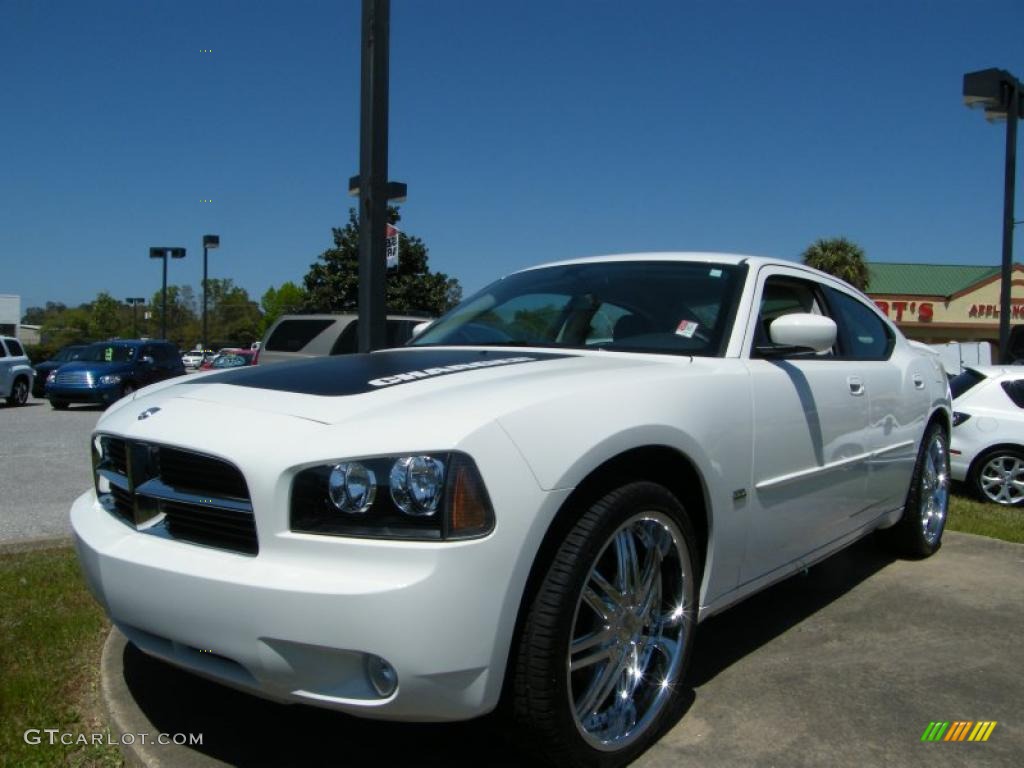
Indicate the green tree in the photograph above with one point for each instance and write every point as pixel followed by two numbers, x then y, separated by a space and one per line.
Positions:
pixel 232 317
pixel 839 257
pixel 182 324
pixel 332 283
pixel 281 301
pixel 106 317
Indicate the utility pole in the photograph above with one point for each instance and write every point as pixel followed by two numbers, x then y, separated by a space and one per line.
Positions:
pixel 371 185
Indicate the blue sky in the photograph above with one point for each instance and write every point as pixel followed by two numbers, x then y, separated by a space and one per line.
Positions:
pixel 527 131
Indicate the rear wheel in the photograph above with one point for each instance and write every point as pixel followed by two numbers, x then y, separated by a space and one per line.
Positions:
pixel 998 477
pixel 919 531
pixel 608 635
pixel 19 393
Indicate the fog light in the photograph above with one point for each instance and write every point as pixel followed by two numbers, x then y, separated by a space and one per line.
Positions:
pixel 416 485
pixel 352 487
pixel 382 675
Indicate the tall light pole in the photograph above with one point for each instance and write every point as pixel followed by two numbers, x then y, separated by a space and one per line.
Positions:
pixel 134 301
pixel 999 93
pixel 209 243
pixel 372 183
pixel 162 253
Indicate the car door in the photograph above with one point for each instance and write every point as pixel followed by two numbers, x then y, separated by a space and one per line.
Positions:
pixel 810 433
pixel 897 390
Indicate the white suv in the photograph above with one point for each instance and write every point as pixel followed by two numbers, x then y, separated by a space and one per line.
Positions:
pixel 16 373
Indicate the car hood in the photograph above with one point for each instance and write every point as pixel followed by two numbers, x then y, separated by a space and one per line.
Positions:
pixel 468 386
pixel 97 367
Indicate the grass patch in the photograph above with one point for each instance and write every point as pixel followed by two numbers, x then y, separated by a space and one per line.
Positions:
pixel 971 516
pixel 51 635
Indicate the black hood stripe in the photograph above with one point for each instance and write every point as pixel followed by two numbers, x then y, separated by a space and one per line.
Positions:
pixel 355 374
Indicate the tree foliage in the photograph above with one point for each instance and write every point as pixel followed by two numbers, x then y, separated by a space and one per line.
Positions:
pixel 839 257
pixel 332 283
pixel 281 301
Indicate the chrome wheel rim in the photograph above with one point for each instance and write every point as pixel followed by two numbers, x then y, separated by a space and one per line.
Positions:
pixel 1002 479
pixel 934 489
pixel 629 632
pixel 21 393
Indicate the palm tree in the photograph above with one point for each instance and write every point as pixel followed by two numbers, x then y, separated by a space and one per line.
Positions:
pixel 839 257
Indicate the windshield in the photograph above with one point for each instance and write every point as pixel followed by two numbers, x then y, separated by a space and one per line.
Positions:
pixel 108 353
pixel 68 353
pixel 667 307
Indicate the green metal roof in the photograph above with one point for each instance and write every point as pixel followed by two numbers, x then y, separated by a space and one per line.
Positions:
pixel 925 279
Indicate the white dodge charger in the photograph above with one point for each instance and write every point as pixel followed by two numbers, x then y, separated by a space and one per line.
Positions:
pixel 534 504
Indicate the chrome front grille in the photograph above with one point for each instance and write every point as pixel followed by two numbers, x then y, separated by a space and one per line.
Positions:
pixel 73 379
pixel 174 493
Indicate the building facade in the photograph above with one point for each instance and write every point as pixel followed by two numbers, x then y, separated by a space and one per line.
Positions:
pixel 937 303
pixel 10 314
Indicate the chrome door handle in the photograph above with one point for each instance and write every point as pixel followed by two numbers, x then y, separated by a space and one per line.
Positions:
pixel 856 385
pixel 918 381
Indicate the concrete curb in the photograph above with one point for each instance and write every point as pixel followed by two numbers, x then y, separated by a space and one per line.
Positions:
pixel 119 716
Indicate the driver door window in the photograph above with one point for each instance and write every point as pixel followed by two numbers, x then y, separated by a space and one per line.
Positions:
pixel 786 296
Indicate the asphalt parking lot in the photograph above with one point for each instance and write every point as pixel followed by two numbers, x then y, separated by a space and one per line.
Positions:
pixel 46 465
pixel 843 667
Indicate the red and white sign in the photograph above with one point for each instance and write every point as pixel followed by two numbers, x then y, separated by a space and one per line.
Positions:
pixel 391 246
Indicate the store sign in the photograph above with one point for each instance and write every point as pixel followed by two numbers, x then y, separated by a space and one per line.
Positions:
pixel 907 311
pixel 992 310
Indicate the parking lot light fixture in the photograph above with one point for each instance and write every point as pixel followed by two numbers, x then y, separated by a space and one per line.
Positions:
pixel 209 243
pixel 162 253
pixel 999 93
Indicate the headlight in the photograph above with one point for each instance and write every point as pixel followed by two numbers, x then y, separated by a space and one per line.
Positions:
pixel 110 378
pixel 416 496
pixel 352 487
pixel 416 484
pixel 51 376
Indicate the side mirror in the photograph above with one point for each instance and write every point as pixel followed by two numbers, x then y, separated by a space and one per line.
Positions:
pixel 800 332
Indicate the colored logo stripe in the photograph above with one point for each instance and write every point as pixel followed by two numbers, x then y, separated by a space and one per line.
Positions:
pixel 959 730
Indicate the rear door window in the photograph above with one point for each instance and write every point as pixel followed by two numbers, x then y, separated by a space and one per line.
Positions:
pixel 15 347
pixel 294 335
pixel 964 381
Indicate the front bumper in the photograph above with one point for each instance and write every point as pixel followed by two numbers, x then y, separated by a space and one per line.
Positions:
pixel 104 394
pixel 298 622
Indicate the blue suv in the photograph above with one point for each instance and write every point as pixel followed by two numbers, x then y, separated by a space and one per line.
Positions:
pixel 109 370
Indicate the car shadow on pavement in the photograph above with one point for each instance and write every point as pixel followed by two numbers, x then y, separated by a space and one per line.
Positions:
pixel 240 729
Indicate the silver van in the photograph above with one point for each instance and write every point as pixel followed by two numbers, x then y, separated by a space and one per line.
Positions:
pixel 293 337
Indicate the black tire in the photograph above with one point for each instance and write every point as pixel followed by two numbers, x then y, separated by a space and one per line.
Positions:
pixel 985 480
pixel 546 694
pixel 19 393
pixel 919 531
pixel 58 405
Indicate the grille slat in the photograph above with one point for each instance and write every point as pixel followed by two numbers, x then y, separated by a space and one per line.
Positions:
pixel 188 475
pixel 73 379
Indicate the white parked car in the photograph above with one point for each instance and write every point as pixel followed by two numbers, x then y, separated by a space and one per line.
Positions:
pixel 987 447
pixel 193 358
pixel 536 501
pixel 16 372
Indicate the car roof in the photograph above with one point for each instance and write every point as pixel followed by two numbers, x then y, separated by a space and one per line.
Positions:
pixel 991 371
pixel 700 257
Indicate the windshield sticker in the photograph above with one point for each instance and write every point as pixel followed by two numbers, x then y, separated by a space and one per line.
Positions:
pixel 687 328
pixel 715 273
pixel 108 354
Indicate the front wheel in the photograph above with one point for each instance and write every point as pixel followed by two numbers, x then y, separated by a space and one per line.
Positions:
pixel 998 477
pixel 19 393
pixel 919 531
pixel 607 637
